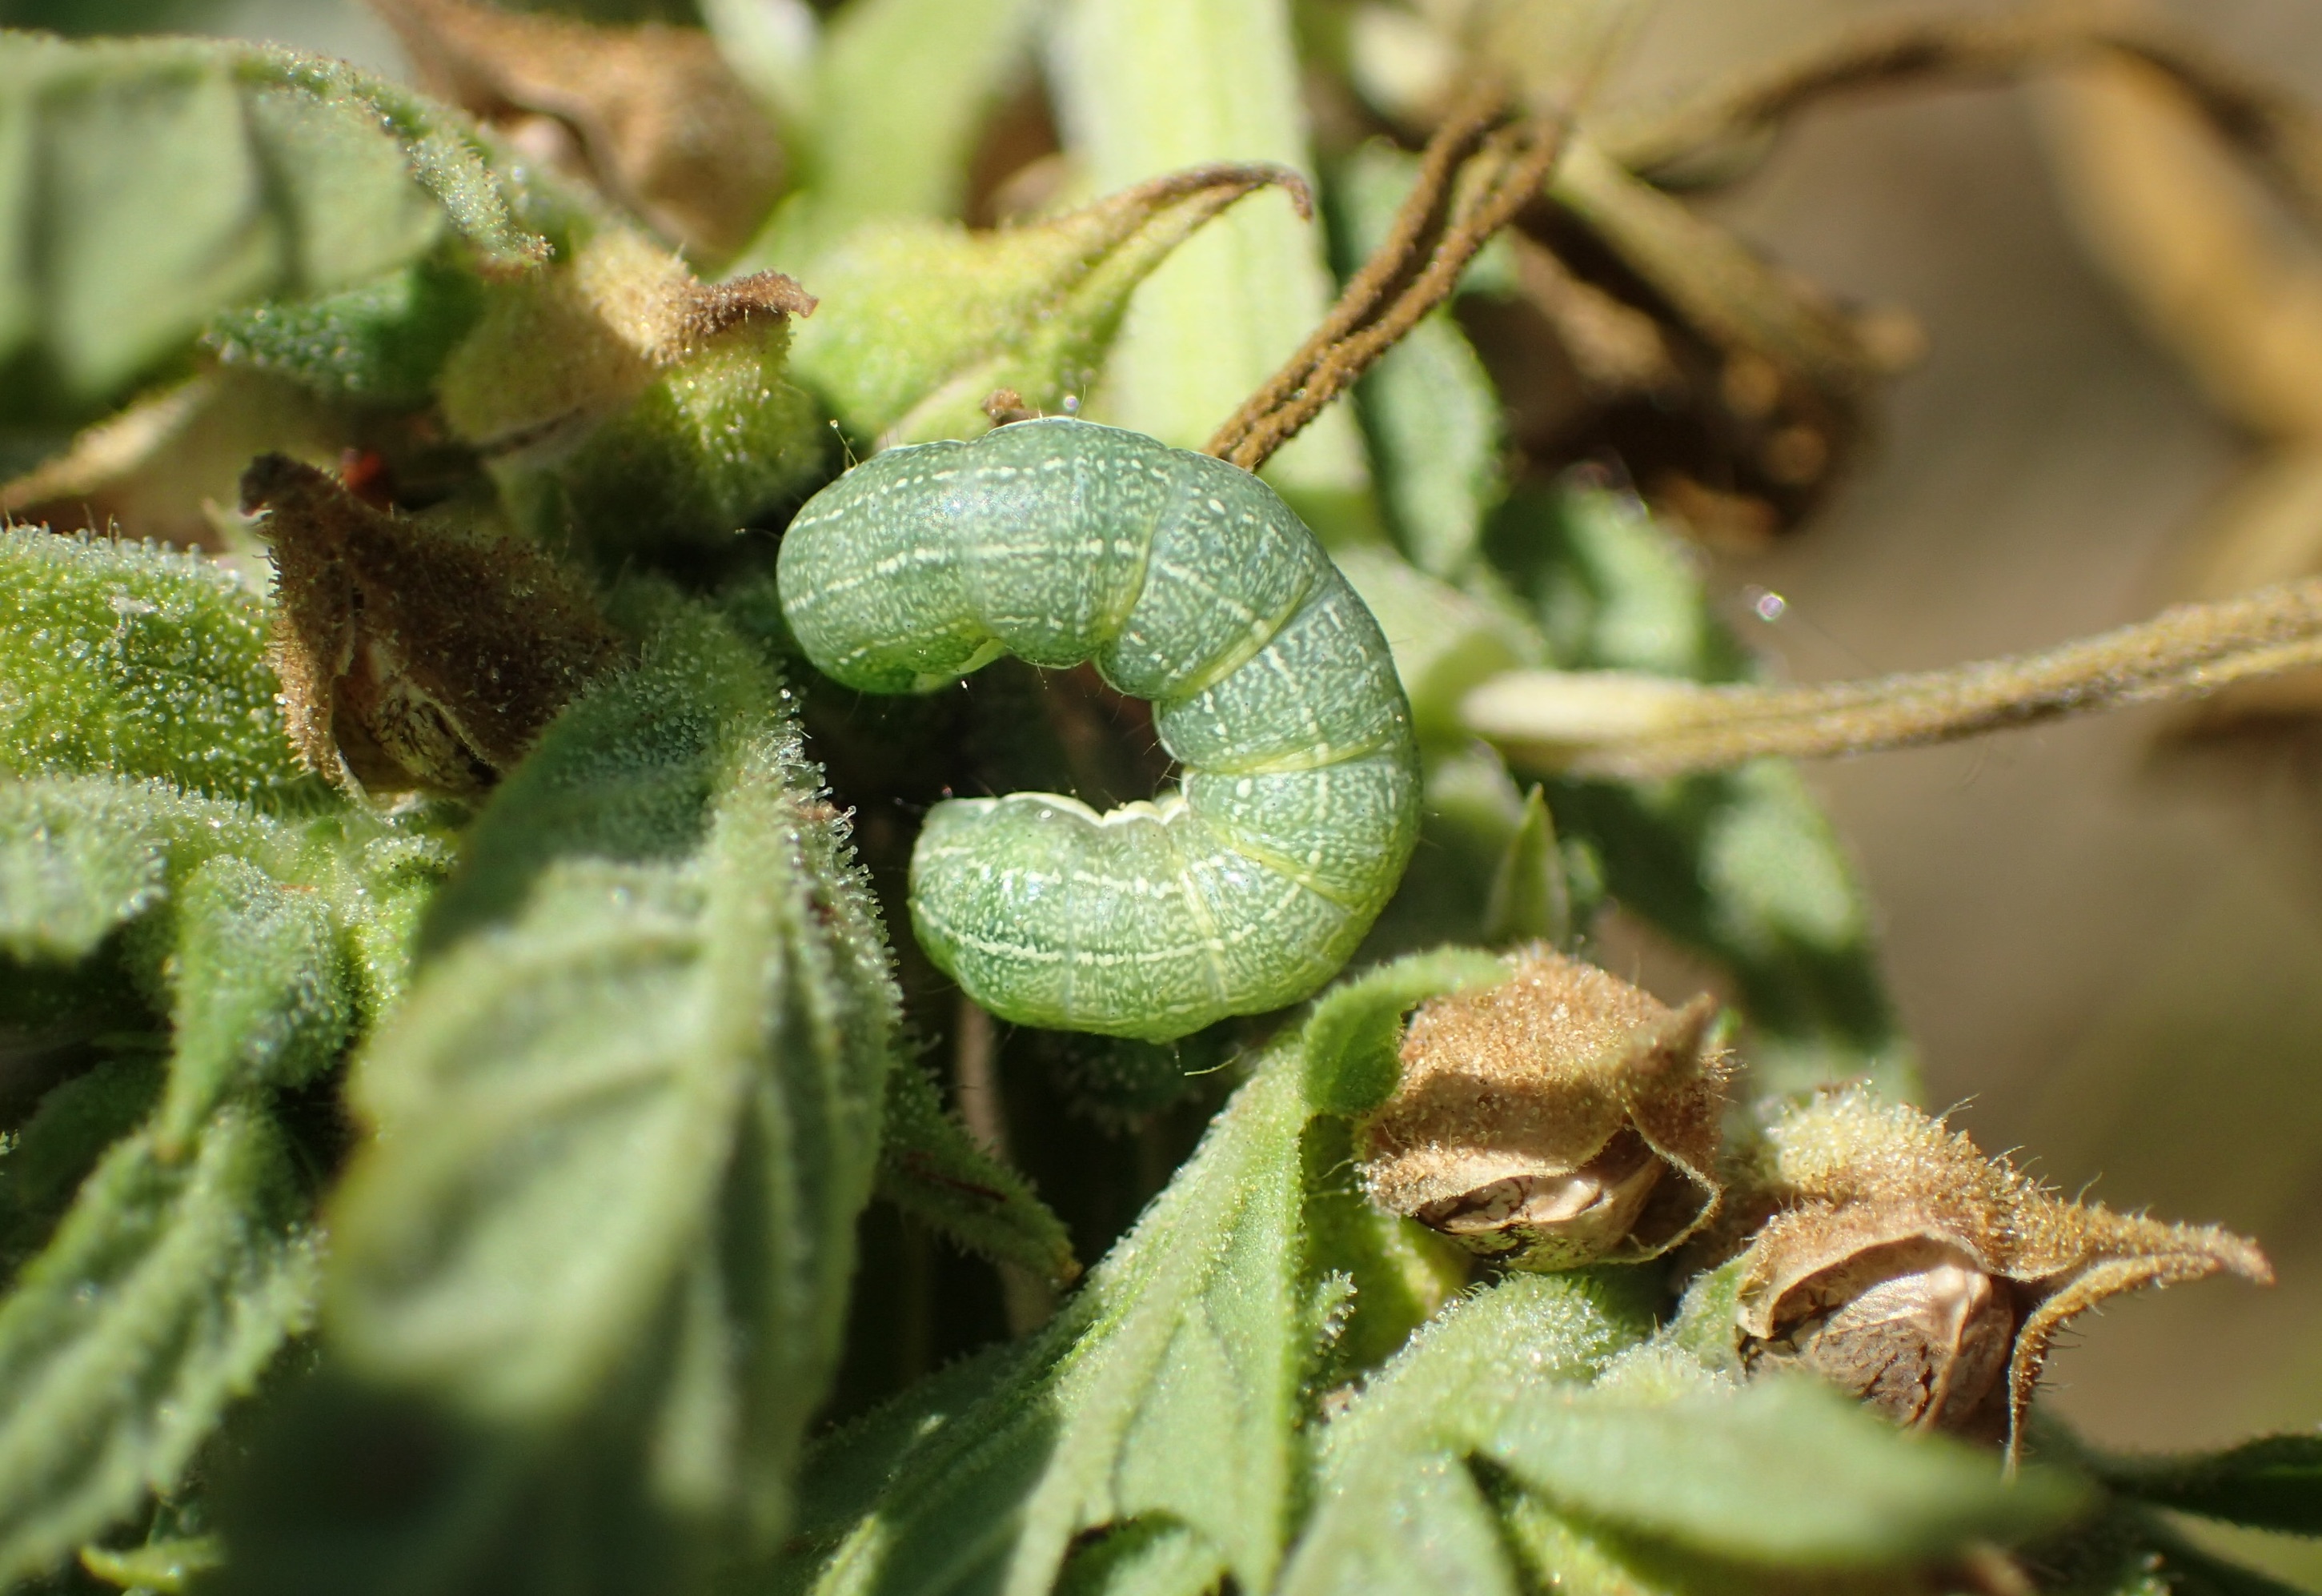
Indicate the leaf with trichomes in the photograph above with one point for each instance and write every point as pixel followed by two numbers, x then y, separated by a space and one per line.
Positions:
pixel 172 1280
pixel 1510 1445
pixel 1169 1388
pixel 127 660
pixel 932 1168
pixel 629 1112
pixel 151 183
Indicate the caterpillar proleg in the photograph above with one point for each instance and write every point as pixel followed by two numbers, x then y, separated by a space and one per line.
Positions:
pixel 1188 583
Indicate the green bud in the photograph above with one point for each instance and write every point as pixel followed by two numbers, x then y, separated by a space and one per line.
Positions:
pixel 616 398
pixel 927 321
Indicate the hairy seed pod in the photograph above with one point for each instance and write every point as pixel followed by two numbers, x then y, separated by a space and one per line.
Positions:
pixel 1189 583
pixel 1927 1279
pixel 1560 1117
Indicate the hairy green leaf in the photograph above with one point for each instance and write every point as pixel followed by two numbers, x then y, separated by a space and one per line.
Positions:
pixel 922 320
pixel 934 1171
pixel 381 342
pixel 1147 89
pixel 263 994
pixel 1519 1393
pixel 127 660
pixel 1783 1472
pixel 150 183
pixel 46 1160
pixel 1396 1505
pixel 2273 1483
pixel 1170 1392
pixel 168 1288
pixel 660 963
pixel 80 856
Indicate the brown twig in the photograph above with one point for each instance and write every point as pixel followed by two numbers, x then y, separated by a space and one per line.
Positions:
pixel 2281 137
pixel 1632 728
pixel 1436 232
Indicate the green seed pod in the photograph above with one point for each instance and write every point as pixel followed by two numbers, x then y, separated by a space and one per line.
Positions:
pixel 1559 1119
pixel 1188 583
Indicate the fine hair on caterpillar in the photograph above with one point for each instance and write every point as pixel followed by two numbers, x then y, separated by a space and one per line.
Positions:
pixel 1187 582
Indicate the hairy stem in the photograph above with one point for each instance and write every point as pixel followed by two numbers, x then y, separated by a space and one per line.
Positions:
pixel 1473 179
pixel 1630 727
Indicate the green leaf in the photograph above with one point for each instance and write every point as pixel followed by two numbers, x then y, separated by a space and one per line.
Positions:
pixel 164 1567
pixel 899 98
pixel 263 994
pixel 921 321
pixel 1168 1392
pixel 1397 1507
pixel 660 965
pixel 1783 1472
pixel 169 1287
pixel 1146 89
pixel 80 856
pixel 383 342
pixel 2273 1483
pixel 1169 1387
pixel 1349 1042
pixel 1148 1557
pixel 1529 900
pixel 127 660
pixel 933 1169
pixel 1539 1388
pixel 47 1158
pixel 151 183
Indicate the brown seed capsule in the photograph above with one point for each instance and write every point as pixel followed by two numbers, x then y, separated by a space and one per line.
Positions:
pixel 1927 1279
pixel 424 652
pixel 1559 1119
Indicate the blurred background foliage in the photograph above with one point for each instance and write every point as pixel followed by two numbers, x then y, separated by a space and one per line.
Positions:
pixel 2104 937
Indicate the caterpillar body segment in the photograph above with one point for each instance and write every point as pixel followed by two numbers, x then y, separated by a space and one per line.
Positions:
pixel 1188 583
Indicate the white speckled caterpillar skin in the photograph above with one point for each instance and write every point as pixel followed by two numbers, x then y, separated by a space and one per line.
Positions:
pixel 1190 584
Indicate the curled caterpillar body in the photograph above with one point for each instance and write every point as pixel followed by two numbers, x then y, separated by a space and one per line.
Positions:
pixel 1189 583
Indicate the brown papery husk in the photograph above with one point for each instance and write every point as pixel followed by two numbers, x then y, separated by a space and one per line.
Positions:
pixel 1534 1079
pixel 1847 1173
pixel 420 653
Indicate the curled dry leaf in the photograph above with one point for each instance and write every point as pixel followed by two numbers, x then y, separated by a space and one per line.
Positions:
pixel 423 651
pixel 651 115
pixel 1929 1280
pixel 1559 1119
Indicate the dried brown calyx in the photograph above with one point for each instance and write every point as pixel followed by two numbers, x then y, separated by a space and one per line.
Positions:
pixel 1556 1119
pixel 1927 1279
pixel 423 651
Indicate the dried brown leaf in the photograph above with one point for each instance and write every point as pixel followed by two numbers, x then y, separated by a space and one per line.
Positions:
pixel 423 651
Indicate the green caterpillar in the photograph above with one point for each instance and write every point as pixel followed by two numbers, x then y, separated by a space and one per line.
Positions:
pixel 1190 584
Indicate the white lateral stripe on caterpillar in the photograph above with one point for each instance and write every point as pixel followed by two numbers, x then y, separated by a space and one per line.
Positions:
pixel 1188 583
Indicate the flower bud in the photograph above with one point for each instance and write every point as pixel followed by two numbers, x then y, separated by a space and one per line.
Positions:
pixel 1559 1119
pixel 1927 1279
pixel 615 396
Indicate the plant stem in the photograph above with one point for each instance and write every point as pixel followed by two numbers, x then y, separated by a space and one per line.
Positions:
pixel 1629 726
